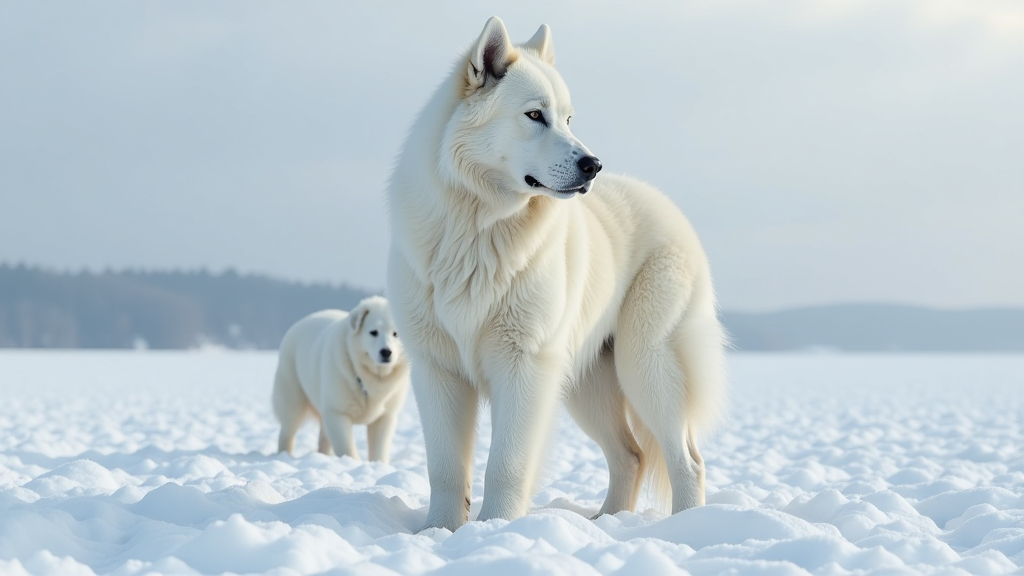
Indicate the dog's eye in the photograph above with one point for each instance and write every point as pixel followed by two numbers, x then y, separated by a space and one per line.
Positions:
pixel 567 120
pixel 373 332
pixel 536 116
pixel 395 334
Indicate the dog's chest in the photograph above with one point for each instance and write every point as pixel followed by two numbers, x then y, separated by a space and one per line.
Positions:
pixel 368 402
pixel 499 288
pixel 521 311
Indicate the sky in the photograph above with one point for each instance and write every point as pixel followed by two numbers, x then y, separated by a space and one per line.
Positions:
pixel 826 152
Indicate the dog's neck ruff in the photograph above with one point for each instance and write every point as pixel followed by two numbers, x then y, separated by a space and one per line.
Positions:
pixel 482 248
pixel 461 234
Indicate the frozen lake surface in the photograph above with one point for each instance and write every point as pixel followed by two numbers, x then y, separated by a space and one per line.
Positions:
pixel 139 463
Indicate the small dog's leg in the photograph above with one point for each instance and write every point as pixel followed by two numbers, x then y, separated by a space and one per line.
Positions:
pixel 290 405
pixel 339 431
pixel 378 437
pixel 324 443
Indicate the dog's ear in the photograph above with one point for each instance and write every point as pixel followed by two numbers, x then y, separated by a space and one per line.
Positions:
pixel 357 317
pixel 491 55
pixel 542 45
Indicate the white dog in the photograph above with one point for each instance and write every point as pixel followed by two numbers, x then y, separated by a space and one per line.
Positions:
pixel 344 368
pixel 507 285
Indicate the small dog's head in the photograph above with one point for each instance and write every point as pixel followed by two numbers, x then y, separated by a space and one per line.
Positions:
pixel 510 131
pixel 374 335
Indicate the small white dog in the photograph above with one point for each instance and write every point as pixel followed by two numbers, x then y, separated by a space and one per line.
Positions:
pixel 344 368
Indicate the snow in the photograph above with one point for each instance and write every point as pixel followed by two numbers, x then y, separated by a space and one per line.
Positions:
pixel 132 463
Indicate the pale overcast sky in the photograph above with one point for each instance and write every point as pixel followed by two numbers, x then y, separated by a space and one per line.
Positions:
pixel 842 151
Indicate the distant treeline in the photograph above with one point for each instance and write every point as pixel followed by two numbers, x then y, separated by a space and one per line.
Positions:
pixel 45 309
pixel 879 328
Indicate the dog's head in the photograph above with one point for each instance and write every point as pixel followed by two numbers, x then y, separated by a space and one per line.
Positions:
pixel 374 337
pixel 510 130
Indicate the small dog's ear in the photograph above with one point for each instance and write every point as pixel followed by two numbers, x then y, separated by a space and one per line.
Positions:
pixel 542 45
pixel 357 317
pixel 491 55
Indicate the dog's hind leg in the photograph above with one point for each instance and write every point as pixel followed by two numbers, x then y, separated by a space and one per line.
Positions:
pixel 650 370
pixel 324 443
pixel 598 407
pixel 290 406
pixel 653 385
pixel 290 424
pixel 691 445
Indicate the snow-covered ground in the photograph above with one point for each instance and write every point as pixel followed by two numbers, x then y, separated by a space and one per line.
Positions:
pixel 140 463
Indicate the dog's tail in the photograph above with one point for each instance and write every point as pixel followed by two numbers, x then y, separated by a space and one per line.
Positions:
pixel 702 343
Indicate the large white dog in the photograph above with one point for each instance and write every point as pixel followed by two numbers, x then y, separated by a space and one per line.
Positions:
pixel 507 282
pixel 343 368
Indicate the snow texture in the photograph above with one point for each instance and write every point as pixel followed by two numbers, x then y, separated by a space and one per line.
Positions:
pixel 162 463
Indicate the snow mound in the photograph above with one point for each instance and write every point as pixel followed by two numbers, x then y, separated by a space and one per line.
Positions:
pixel 717 524
pixel 162 463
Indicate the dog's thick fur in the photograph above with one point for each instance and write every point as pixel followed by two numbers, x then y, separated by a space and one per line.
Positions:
pixel 333 365
pixel 507 286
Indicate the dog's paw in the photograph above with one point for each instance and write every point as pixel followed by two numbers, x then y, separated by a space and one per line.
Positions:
pixel 435 533
pixel 446 522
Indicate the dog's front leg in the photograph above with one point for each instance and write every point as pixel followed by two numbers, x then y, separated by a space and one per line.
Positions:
pixel 447 406
pixel 523 397
pixel 339 430
pixel 378 436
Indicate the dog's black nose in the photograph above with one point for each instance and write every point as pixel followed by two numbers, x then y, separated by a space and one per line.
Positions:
pixel 385 353
pixel 590 166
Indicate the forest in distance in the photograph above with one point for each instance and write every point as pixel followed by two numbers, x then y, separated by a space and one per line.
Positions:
pixel 41 308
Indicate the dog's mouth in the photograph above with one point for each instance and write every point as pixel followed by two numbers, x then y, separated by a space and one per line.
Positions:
pixel 534 183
